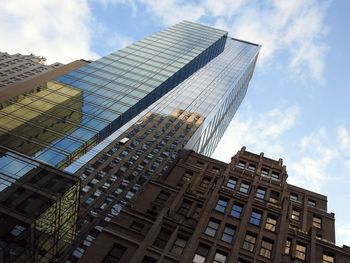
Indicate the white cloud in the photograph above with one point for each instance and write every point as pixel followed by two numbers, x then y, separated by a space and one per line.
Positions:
pixel 344 139
pixel 343 233
pixel 258 132
pixel 309 159
pixel 294 27
pixel 57 30
pixel 173 11
pixel 118 41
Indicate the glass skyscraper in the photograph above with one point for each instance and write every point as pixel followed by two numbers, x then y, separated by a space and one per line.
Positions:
pixel 120 120
pixel 83 107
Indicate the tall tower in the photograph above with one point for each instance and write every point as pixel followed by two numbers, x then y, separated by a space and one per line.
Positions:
pixel 192 115
pixel 177 88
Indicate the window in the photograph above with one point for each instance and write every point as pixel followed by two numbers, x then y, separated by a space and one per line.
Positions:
pixel 241 164
pixel 205 182
pixel 265 172
pixel 221 204
pixel 236 210
pixel 271 223
pixel 162 238
pixel 162 198
pixel 17 230
pixel 294 197
pixel 187 176
pixel 179 245
pixel 255 218
pixel 231 183
pixel 228 234
pixel 251 167
pixel 115 254
pixel 300 251
pixel 316 222
pixel 148 259
pixel 185 207
pixel 220 257
pixel 199 164
pixel 216 170
pixel 249 242
pixel 260 193
pixel 295 215
pixel 274 197
pixel 266 248
pixel 212 227
pixel 244 188
pixel 287 248
pixel 137 226
pixel 275 176
pixel 311 203
pixel 201 253
pixel 327 258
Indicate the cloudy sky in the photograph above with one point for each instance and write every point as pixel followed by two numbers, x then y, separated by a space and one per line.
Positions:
pixel 297 106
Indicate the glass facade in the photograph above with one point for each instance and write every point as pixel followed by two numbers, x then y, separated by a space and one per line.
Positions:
pixel 38 209
pixel 61 120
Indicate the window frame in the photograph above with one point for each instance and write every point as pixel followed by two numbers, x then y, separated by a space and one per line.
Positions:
pixel 266 248
pixel 221 204
pixel 256 217
pixel 229 232
pixel 212 227
pixel 249 241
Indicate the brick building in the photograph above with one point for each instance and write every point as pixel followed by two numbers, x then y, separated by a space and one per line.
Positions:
pixel 205 210
pixel 18 67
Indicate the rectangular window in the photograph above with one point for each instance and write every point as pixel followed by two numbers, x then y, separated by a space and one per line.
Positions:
pixel 212 227
pixel 316 222
pixel 201 253
pixel 249 242
pixel 231 183
pixel 179 245
pixel 228 234
pixel 265 172
pixel 115 254
pixel 205 182
pixel 241 164
pixel 260 193
pixel 148 259
pixel 255 218
pixel 311 203
pixel 300 251
pixel 236 210
pixel 244 188
pixel 294 197
pixel 199 164
pixel 251 167
pixel 185 207
pixel 221 205
pixel 266 248
pixel 137 226
pixel 162 198
pixel 275 176
pixel 162 238
pixel 271 223
pixel 187 176
pixel 274 197
pixel 287 248
pixel 295 215
pixel 328 258
pixel 220 257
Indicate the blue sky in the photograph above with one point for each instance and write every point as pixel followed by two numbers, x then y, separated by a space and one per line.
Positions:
pixel 297 106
